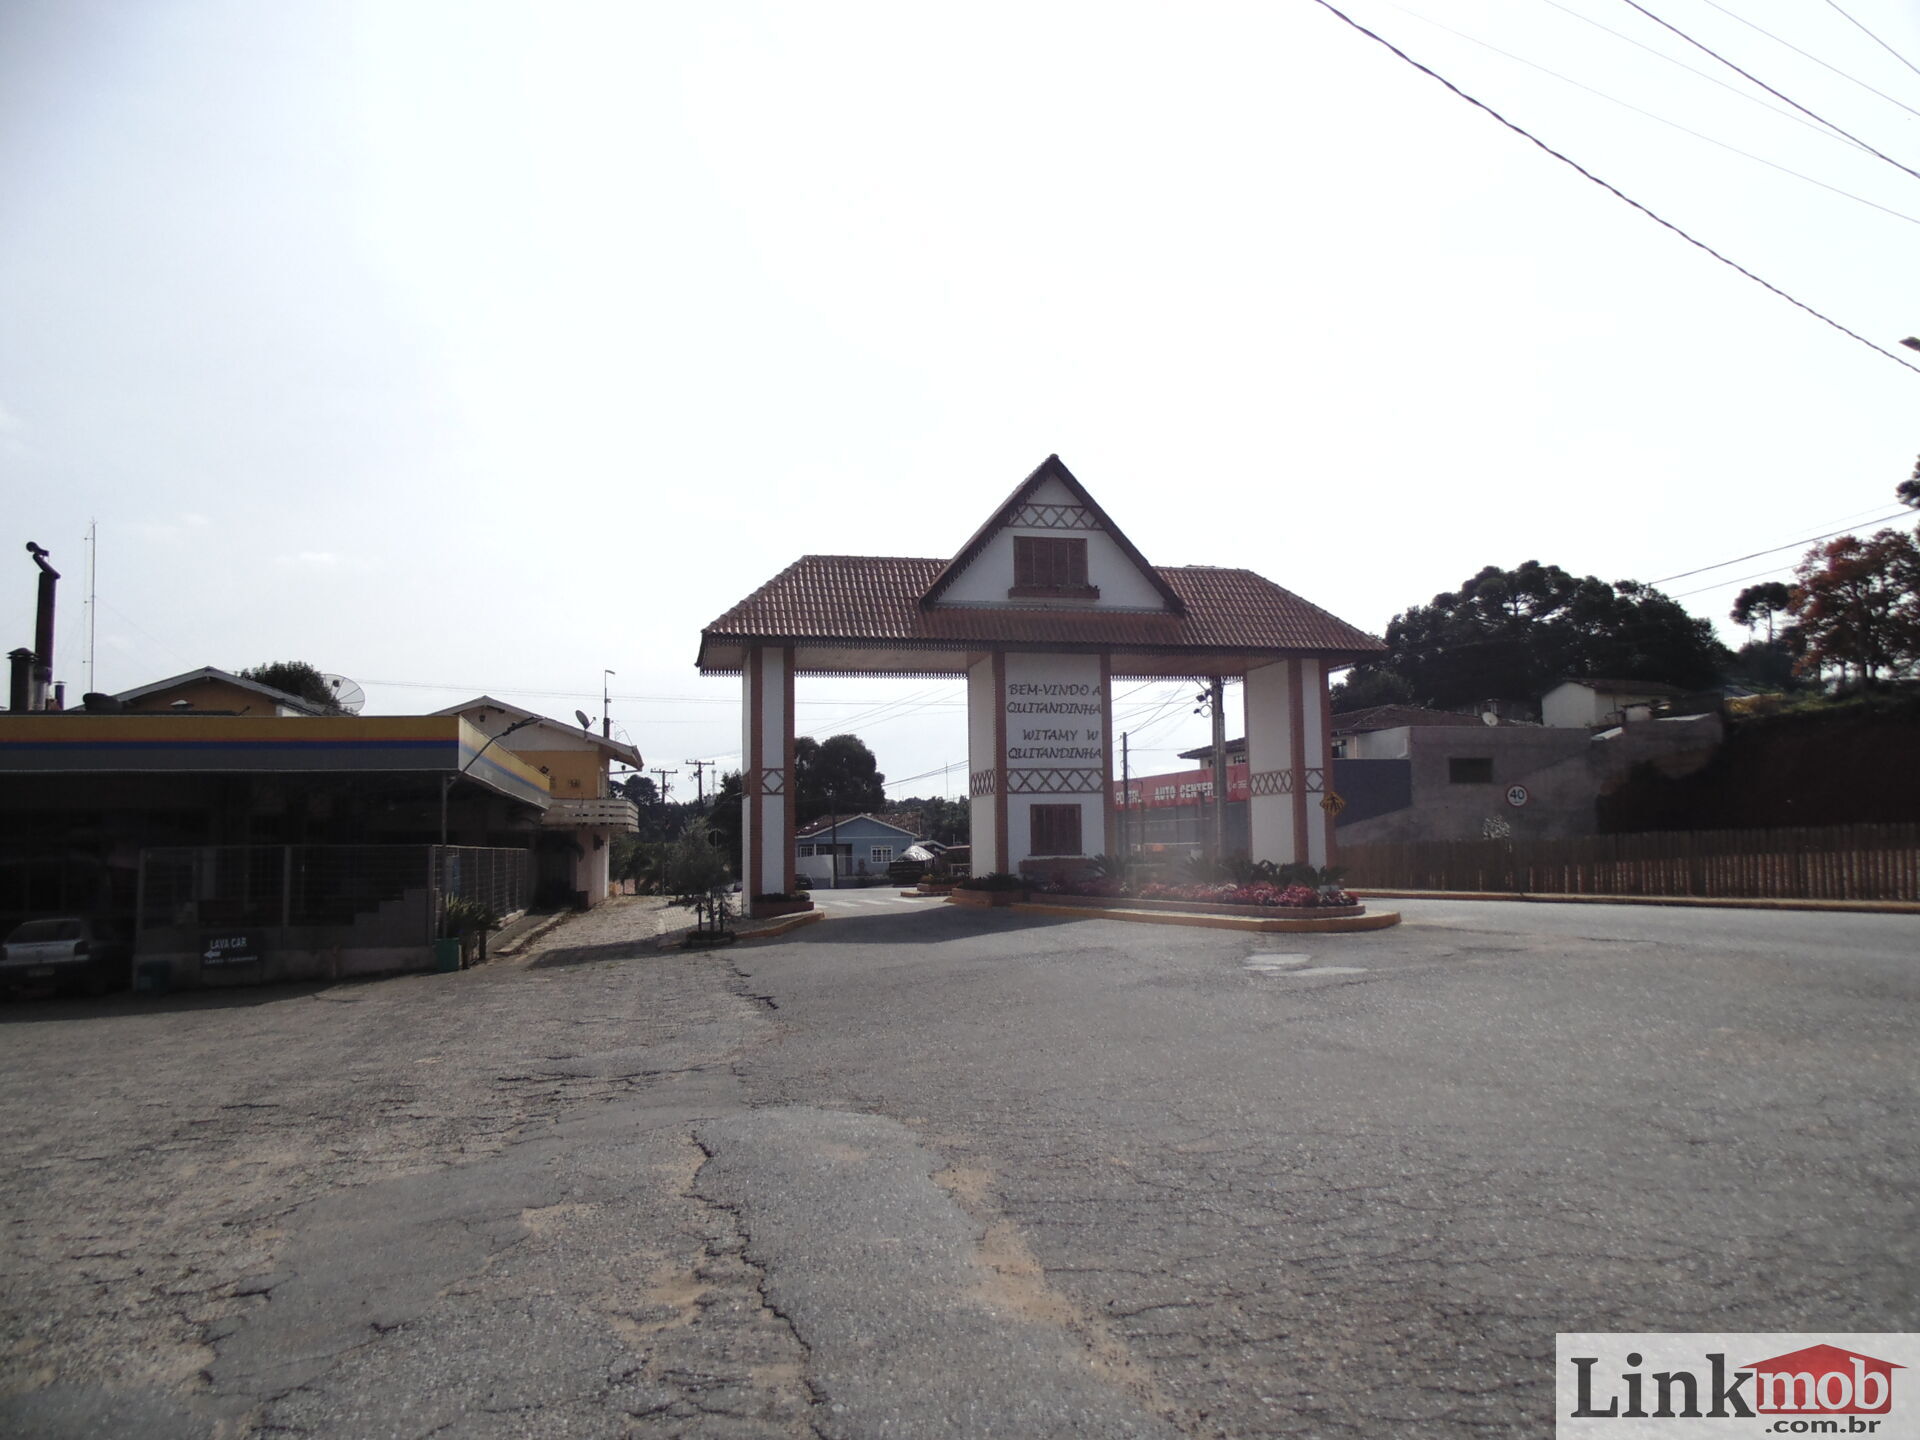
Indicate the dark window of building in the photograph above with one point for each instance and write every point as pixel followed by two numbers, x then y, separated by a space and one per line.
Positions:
pixel 1470 770
pixel 1056 829
pixel 1046 563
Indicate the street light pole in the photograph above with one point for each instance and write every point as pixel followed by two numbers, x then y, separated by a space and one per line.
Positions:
pixel 446 781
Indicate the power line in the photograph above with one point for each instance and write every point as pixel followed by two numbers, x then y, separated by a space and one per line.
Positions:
pixel 1772 549
pixel 1661 119
pixel 1769 89
pixel 1615 191
pixel 1875 38
pixel 1730 88
pixel 1737 580
pixel 1805 55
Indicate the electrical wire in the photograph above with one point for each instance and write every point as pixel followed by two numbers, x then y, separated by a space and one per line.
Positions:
pixel 1658 119
pixel 1711 79
pixel 1737 580
pixel 1615 191
pixel 1873 37
pixel 1805 55
pixel 1811 539
pixel 1635 4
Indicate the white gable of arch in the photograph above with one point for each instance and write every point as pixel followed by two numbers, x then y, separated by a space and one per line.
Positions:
pixel 1052 510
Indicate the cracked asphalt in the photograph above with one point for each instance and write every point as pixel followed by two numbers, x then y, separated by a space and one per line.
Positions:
pixel 919 1171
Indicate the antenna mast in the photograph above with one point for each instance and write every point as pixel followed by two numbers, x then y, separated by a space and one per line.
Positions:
pixel 93 603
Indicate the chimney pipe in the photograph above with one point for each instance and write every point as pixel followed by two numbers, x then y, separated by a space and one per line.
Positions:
pixel 20 681
pixel 42 629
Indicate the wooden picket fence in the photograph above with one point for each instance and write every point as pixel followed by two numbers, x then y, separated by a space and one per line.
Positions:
pixel 1842 862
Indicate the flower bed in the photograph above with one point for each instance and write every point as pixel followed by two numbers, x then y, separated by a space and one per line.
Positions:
pixel 1195 907
pixel 961 895
pixel 1257 896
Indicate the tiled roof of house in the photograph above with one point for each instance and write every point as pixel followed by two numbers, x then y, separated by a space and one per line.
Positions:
pixel 209 672
pixel 1392 717
pixel 827 826
pixel 864 599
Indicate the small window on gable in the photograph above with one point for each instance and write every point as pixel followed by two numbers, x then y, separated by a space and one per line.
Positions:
pixel 1056 829
pixel 1470 770
pixel 1050 565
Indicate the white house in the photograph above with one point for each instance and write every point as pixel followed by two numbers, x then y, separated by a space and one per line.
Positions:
pixel 1587 703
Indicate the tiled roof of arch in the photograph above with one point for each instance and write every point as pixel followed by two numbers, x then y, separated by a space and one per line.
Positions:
pixel 876 600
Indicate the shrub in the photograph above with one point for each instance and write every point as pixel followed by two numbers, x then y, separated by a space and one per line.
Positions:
pixel 997 880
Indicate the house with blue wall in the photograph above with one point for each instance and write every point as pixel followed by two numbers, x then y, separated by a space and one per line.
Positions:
pixel 865 844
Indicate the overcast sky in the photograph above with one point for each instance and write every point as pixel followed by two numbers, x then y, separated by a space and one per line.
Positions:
pixel 461 347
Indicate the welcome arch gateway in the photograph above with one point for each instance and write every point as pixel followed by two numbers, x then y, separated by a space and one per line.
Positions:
pixel 1041 611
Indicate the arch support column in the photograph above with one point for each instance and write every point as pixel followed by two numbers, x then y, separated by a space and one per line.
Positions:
pixel 1289 762
pixel 766 778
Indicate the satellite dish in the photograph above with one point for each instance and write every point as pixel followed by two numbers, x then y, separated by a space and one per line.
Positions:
pixel 347 694
pixel 581 716
pixel 1487 717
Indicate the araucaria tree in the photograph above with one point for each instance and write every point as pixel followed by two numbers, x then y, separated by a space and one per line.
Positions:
pixel 1856 606
pixel 1514 634
pixel 838 775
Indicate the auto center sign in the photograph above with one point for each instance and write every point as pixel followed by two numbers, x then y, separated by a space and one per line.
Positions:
pixel 1186 787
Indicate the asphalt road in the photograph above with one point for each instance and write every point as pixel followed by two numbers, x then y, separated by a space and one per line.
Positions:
pixel 918 1171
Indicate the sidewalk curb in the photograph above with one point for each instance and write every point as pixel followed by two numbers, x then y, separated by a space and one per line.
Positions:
pixel 1701 902
pixel 533 932
pixel 1260 924
pixel 785 925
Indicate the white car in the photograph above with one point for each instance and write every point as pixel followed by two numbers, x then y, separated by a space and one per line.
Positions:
pixel 67 952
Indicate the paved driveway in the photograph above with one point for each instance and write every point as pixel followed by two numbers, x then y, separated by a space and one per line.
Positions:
pixel 921 1171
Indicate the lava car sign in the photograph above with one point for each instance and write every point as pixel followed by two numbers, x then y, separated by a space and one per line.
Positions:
pixel 228 949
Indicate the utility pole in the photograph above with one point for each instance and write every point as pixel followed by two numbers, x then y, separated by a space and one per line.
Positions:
pixel 833 839
pixel 1218 691
pixel 1213 701
pixel 663 782
pixel 606 708
pixel 700 768
pixel 1126 799
pixel 93 597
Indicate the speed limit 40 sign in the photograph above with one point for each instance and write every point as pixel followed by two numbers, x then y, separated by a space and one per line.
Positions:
pixel 1517 796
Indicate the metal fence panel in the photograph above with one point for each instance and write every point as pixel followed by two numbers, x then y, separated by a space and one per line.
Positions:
pixel 1841 862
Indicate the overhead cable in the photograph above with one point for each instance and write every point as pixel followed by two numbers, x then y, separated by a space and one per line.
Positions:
pixel 1726 85
pixel 1807 55
pixel 1772 549
pixel 1875 38
pixel 1661 119
pixel 1613 190
pixel 1769 89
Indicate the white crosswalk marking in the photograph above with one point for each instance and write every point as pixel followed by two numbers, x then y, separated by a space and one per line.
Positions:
pixel 875 899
